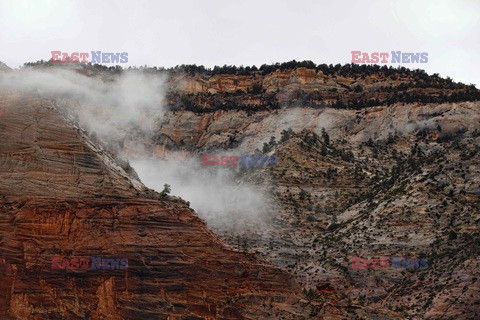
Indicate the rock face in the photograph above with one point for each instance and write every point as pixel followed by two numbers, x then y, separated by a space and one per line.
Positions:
pixel 346 86
pixel 43 155
pixel 227 129
pixel 395 174
pixel 61 196
pixel 412 191
pixel 396 180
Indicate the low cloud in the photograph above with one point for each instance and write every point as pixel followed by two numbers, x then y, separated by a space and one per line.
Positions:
pixel 112 108
pixel 213 192
pixel 121 113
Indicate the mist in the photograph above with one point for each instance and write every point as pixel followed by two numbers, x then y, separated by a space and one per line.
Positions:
pixel 213 192
pixel 122 113
pixel 110 108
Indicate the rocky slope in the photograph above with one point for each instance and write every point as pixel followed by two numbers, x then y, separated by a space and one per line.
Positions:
pixel 398 181
pixel 373 163
pixel 398 177
pixel 62 196
pixel 348 86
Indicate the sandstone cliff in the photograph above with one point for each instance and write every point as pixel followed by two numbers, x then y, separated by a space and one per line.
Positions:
pixel 395 181
pixel 63 196
pixel 397 176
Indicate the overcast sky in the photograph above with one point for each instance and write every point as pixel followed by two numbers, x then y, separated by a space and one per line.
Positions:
pixel 167 33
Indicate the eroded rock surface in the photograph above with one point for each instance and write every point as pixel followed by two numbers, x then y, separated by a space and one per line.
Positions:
pixel 63 196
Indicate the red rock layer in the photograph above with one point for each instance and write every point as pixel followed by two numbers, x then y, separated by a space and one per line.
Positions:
pixel 60 195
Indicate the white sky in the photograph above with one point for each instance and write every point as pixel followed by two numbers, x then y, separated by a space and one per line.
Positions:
pixel 211 32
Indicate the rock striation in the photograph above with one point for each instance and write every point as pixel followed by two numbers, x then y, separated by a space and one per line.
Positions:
pixel 61 195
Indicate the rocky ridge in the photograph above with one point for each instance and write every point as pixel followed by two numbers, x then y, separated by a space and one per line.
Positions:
pixel 63 196
pixel 395 180
pixel 398 177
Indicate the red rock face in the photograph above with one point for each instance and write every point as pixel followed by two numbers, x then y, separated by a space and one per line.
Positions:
pixel 62 196
pixel 301 86
pixel 42 155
